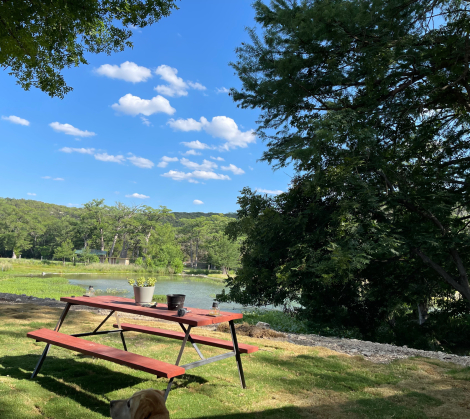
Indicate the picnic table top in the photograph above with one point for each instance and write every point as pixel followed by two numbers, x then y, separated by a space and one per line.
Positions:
pixel 197 317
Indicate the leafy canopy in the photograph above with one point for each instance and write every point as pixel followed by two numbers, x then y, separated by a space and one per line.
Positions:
pixel 38 39
pixel 370 102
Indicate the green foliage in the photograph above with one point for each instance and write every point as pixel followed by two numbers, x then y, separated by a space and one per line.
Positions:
pixel 369 101
pixel 142 281
pixel 64 251
pixel 39 39
pixel 159 298
pixel 278 320
pixel 139 261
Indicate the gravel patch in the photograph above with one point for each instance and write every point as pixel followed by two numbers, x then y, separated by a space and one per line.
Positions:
pixel 372 351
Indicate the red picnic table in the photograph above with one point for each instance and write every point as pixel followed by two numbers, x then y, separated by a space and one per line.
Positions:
pixel 196 317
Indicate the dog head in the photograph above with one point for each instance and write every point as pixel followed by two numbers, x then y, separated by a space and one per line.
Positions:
pixel 145 404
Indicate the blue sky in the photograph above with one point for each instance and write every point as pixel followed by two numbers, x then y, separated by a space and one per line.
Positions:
pixel 152 125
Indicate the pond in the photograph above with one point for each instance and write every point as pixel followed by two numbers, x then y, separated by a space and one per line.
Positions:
pixel 199 292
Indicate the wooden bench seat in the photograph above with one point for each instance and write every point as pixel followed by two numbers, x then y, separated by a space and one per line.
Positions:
pixel 218 343
pixel 118 356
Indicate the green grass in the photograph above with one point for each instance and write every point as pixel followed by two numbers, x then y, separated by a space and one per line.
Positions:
pixel 159 298
pixel 35 267
pixel 40 287
pixel 284 380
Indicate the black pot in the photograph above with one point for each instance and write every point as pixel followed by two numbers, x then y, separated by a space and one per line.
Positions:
pixel 175 301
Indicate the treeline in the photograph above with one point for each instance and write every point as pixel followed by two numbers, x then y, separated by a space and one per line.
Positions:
pixel 154 236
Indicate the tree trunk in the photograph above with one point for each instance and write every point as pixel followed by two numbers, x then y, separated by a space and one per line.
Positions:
pixel 125 247
pixel 191 253
pixel 102 239
pixel 147 239
pixel 422 312
pixel 13 256
pixel 197 248
pixel 112 246
pixel 224 270
pixel 64 261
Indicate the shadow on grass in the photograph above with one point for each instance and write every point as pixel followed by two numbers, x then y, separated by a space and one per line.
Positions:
pixel 83 382
pixel 79 381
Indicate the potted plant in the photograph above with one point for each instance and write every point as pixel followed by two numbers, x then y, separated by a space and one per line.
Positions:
pixel 143 289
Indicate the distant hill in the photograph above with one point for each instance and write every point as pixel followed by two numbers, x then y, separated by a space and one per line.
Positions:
pixel 58 211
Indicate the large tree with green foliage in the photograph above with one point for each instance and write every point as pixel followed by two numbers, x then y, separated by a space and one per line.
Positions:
pixel 369 101
pixel 39 38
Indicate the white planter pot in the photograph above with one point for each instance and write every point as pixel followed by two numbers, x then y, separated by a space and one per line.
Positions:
pixel 143 295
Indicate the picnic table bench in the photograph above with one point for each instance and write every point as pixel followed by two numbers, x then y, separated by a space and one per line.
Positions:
pixel 197 317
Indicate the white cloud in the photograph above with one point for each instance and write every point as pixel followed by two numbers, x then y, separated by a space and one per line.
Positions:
pixel 234 169
pixel 197 202
pixel 110 158
pixel 127 71
pixel 77 150
pixel 185 125
pixel 197 86
pixel 50 177
pixel 220 127
pixel 134 105
pixel 145 121
pixel 192 152
pixel 165 160
pixel 269 191
pixel 31 194
pixel 197 174
pixel 176 85
pixel 74 205
pixel 16 120
pixel 206 164
pixel 177 175
pixel 196 144
pixel 217 158
pixel 202 174
pixel 70 130
pixel 138 196
pixel 222 90
pixel 141 162
pixel 249 167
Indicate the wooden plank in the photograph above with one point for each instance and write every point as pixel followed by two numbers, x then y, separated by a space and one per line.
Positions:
pixel 197 317
pixel 218 343
pixel 118 356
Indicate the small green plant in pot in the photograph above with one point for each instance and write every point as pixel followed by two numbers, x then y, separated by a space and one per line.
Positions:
pixel 143 289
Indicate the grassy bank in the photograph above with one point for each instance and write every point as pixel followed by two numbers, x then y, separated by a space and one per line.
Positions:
pixel 35 267
pixel 40 287
pixel 284 380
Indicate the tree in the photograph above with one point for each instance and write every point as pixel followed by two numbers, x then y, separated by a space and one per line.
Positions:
pixel 370 101
pixel 193 233
pixel 222 251
pixel 38 39
pixel 14 230
pixel 64 251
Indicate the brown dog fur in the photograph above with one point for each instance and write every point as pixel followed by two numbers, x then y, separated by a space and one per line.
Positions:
pixel 145 404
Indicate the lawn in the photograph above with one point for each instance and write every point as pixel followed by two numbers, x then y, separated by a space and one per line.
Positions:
pixel 284 380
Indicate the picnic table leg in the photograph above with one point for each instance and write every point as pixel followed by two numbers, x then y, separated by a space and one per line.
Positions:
pixel 46 349
pixel 237 352
pixel 192 343
pixel 183 345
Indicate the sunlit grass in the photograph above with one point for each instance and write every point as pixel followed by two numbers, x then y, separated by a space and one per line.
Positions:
pixel 284 380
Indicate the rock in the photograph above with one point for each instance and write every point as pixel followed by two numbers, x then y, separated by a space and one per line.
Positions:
pixel 263 325
pixel 18 300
